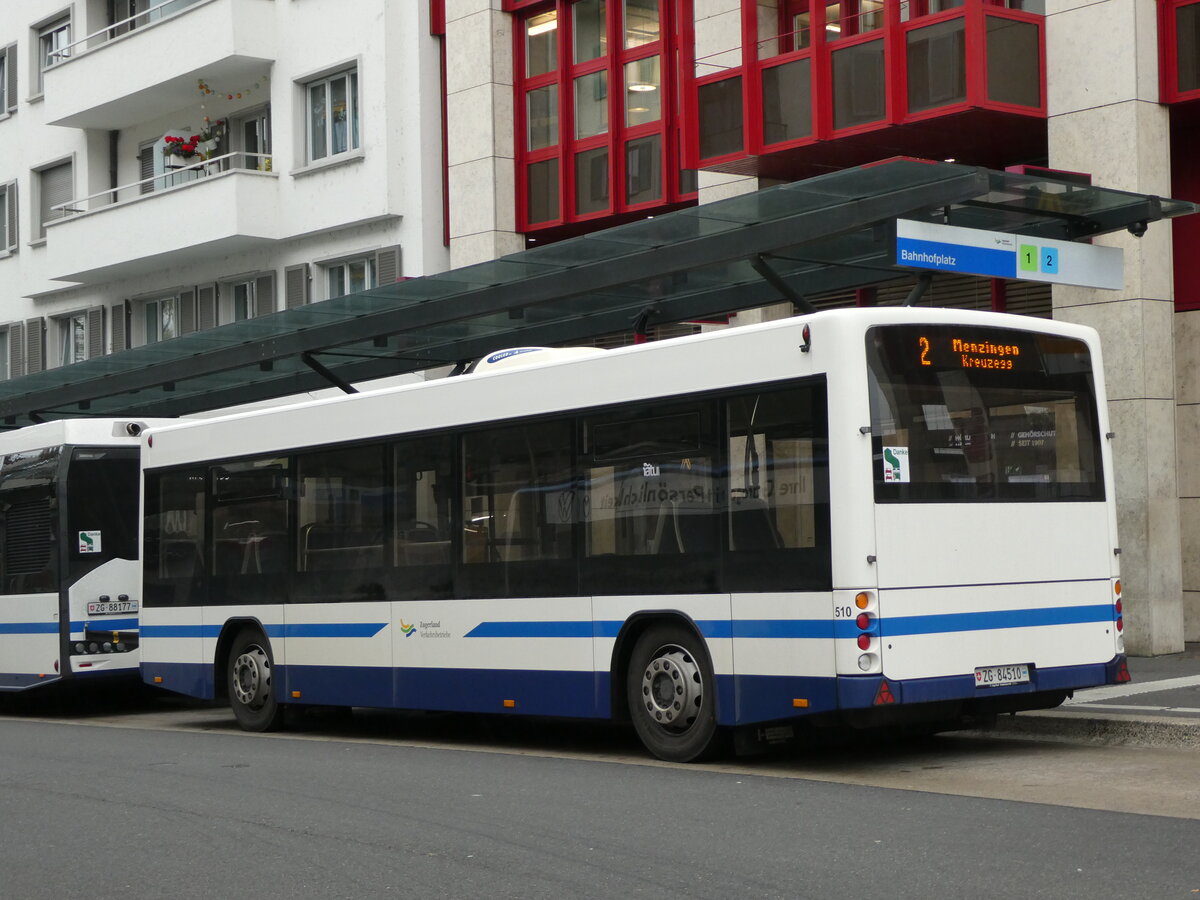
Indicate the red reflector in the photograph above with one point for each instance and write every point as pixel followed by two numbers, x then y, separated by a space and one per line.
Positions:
pixel 1118 606
pixel 863 621
pixel 1120 624
pixel 864 641
pixel 884 695
pixel 1123 672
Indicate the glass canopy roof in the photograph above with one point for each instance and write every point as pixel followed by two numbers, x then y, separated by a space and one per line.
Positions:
pixel 828 233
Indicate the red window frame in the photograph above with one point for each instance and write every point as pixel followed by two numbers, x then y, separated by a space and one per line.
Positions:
pixel 1168 52
pixel 618 136
pixel 819 50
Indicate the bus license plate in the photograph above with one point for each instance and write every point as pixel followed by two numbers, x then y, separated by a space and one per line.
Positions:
pixel 112 607
pixel 993 676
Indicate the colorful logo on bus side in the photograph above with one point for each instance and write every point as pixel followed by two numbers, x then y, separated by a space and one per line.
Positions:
pixel 409 630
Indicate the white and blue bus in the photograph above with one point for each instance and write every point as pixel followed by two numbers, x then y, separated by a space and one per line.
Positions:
pixel 70 578
pixel 859 516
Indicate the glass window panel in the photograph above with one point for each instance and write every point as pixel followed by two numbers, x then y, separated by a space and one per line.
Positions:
pixel 643 170
pixel 937 65
pixel 249 519
pixel 354 140
pixel 833 20
pixel 339 105
pixel 173 545
pixel 591 181
pixel 591 34
pixel 340 509
pixel 542 112
pixel 1013 62
pixel 336 282
pixel 542 191
pixel 317 121
pixel 591 104
pixel 150 321
pixel 943 5
pixel 541 43
pixel 720 117
pixel 870 15
pixel 1187 33
pixel 641 22
pixel 858 85
pixel 801 31
pixel 167 319
pixel 424 492
pixel 643 94
pixel 242 301
pixel 518 494
pixel 787 102
pixel 3 354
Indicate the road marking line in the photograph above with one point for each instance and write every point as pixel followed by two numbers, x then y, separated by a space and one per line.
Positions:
pixel 1132 688
pixel 1130 706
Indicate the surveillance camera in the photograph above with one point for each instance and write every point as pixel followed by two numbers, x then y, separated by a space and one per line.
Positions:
pixel 133 429
pixel 1137 229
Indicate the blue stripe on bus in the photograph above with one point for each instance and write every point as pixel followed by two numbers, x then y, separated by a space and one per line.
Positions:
pixel 29 628
pixel 106 625
pixel 995 620
pixel 326 629
pixel 296 630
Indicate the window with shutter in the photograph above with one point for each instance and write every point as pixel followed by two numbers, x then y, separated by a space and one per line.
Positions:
pixel 296 285
pixel 16 349
pixel 146 169
pixel 264 294
pixel 55 186
pixel 95 332
pixel 8 79
pixel 35 345
pixel 206 307
pixel 187 311
pixel 8 217
pixel 388 265
pixel 120 327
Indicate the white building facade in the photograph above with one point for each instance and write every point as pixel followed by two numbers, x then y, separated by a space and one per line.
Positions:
pixel 170 166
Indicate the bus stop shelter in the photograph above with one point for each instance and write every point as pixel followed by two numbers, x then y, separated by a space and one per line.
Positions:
pixel 829 233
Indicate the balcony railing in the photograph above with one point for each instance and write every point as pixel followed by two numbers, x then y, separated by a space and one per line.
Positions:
pixel 176 176
pixel 98 38
pixel 123 76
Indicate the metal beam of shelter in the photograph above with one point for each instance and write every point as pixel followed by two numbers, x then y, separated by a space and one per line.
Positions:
pixel 828 233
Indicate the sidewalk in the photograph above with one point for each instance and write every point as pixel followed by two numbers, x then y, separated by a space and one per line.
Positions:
pixel 1160 707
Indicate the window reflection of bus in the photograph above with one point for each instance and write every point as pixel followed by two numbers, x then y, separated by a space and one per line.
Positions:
pixel 69 574
pixel 838 519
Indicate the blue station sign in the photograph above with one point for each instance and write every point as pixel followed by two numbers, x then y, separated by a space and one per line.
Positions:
pixel 997 254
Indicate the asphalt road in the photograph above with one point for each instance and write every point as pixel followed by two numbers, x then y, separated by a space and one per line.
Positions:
pixel 169 799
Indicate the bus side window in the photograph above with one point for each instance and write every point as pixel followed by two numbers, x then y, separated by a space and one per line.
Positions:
pixel 424 488
pixel 340 509
pixel 173 556
pixel 249 517
pixel 518 495
pixel 776 447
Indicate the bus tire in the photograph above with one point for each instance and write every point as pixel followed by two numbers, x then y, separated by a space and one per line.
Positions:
pixel 252 692
pixel 672 694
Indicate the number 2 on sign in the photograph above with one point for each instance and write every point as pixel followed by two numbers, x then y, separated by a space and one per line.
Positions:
pixel 924 342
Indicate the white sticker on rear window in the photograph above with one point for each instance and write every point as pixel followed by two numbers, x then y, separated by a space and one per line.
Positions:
pixel 895 464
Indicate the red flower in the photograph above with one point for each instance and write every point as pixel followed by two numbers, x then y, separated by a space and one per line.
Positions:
pixel 195 138
pixel 188 148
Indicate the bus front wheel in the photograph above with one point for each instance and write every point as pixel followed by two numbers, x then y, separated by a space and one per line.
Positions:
pixel 251 688
pixel 671 694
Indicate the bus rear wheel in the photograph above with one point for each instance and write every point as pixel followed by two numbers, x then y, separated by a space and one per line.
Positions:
pixel 251 689
pixel 671 694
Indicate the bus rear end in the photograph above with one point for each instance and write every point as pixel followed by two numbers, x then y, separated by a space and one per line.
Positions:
pixel 995 532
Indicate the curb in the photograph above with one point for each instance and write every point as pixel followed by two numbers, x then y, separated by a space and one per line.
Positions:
pixel 1102 729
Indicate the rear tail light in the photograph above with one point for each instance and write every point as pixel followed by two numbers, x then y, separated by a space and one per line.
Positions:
pixel 884 695
pixel 864 642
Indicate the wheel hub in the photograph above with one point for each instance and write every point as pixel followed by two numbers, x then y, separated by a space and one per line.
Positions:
pixel 252 677
pixel 671 688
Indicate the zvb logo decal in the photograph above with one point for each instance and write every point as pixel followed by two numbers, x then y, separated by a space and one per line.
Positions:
pixel 409 630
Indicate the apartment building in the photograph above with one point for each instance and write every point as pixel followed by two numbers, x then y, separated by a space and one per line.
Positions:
pixel 169 166
pixel 339 145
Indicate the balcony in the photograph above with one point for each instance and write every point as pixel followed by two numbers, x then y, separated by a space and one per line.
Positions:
pixel 813 85
pixel 222 206
pixel 112 80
